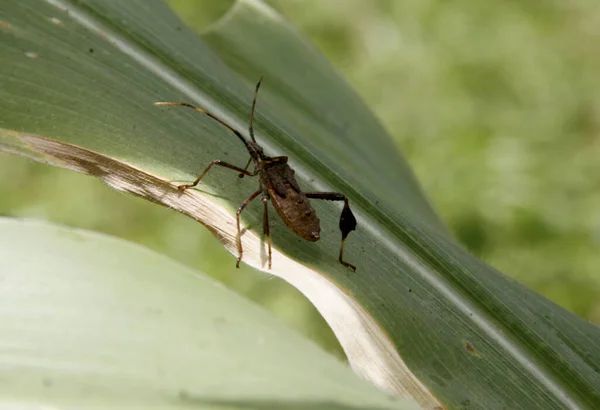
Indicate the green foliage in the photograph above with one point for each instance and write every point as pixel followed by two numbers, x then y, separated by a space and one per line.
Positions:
pixel 464 330
pixel 495 105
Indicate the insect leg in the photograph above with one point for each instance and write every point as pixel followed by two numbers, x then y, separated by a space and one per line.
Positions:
pixel 347 219
pixel 221 163
pixel 241 175
pixel 239 229
pixel 266 228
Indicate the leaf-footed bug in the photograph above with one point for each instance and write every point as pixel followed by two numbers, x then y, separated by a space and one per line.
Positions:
pixel 278 184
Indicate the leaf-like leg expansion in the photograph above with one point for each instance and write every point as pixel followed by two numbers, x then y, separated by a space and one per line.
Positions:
pixel 221 163
pixel 239 229
pixel 347 219
pixel 266 227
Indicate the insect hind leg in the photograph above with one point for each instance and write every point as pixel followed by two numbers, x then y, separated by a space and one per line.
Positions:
pixel 347 219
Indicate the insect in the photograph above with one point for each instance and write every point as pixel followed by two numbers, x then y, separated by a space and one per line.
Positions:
pixel 278 185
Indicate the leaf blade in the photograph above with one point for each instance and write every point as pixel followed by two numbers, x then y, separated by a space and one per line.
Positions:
pixel 418 285
pixel 102 321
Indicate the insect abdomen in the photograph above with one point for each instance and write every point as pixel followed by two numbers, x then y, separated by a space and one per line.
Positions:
pixel 297 213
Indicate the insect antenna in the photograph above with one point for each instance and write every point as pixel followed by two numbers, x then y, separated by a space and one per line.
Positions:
pixel 250 129
pixel 180 104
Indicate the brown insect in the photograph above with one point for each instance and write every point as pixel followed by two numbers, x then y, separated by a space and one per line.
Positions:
pixel 278 184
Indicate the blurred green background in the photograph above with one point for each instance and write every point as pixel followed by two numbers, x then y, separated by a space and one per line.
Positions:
pixel 495 105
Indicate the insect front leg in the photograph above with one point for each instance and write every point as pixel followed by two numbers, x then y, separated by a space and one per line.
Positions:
pixel 221 163
pixel 239 229
pixel 347 219
pixel 266 228
pixel 241 174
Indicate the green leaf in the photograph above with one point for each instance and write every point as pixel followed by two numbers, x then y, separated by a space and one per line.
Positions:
pixel 524 335
pixel 88 320
pixel 421 317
